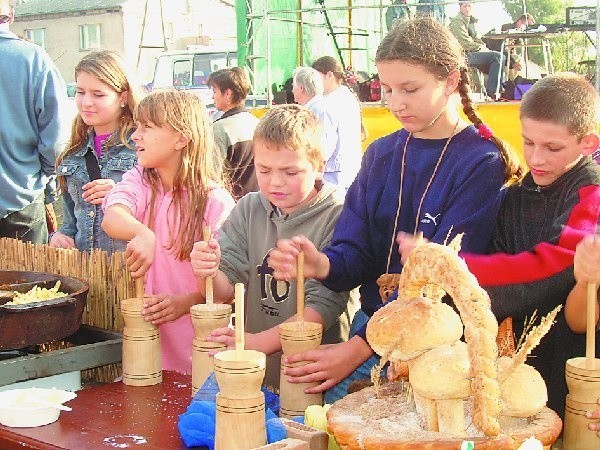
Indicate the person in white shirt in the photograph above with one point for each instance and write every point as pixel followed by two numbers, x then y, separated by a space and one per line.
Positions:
pixel 344 107
pixel 307 87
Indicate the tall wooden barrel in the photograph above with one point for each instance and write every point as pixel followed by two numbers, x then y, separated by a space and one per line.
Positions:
pixel 206 318
pixel 296 337
pixel 240 373
pixel 142 365
pixel 240 423
pixel 584 392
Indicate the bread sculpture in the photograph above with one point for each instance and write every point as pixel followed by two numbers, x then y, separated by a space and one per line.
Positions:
pixel 444 371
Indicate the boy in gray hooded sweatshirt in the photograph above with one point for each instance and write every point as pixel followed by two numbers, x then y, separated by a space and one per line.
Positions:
pixel 293 199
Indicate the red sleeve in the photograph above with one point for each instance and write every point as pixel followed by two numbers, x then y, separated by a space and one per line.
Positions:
pixel 545 259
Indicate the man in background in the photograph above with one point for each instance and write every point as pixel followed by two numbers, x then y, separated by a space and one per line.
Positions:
pixel 432 8
pixel 307 87
pixel 397 12
pixel 487 61
pixel 33 132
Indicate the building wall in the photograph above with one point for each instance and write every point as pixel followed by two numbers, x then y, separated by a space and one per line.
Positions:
pixel 187 22
pixel 62 36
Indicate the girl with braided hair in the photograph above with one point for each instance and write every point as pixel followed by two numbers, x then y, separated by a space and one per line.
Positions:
pixel 437 175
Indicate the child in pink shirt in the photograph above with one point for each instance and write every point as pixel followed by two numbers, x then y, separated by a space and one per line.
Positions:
pixel 160 207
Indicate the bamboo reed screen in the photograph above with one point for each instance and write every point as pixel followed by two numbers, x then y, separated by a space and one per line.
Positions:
pixel 107 276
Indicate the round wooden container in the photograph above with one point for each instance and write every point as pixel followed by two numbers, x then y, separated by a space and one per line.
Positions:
pixel 142 365
pixel 583 384
pixel 584 391
pixel 240 373
pixel 362 421
pixel 240 423
pixel 202 364
pixel 297 337
pixel 206 318
pixel 576 435
pixel 292 398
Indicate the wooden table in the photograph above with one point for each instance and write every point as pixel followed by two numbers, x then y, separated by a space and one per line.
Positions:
pixel 112 416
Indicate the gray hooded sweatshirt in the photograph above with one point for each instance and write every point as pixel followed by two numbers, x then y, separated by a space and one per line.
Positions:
pixel 251 231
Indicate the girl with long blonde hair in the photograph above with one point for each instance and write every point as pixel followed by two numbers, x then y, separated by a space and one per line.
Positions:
pixel 160 208
pixel 100 149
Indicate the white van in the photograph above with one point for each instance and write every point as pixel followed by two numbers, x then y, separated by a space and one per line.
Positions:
pixel 189 69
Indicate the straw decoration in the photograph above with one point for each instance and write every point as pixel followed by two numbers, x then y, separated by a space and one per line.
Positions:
pixel 107 276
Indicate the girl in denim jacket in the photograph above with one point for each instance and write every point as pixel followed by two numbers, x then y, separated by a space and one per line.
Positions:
pixel 99 152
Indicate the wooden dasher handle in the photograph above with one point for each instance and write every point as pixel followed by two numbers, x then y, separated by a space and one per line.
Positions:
pixel 139 288
pixel 300 287
pixel 590 336
pixel 208 282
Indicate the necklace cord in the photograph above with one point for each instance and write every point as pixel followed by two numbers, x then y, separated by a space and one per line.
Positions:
pixel 437 165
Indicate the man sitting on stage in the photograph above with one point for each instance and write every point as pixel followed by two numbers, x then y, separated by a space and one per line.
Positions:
pixel 520 24
pixel 462 27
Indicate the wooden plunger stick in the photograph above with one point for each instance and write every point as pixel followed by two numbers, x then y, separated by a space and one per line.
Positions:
pixel 590 338
pixel 239 319
pixel 208 282
pixel 139 288
pixel 300 287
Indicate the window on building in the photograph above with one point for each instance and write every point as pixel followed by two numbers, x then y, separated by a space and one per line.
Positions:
pixel 37 36
pixel 89 36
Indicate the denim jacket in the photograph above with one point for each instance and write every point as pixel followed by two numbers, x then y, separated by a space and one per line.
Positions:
pixel 82 220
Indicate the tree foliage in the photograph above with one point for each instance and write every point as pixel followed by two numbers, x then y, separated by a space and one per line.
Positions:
pixel 544 11
pixel 568 49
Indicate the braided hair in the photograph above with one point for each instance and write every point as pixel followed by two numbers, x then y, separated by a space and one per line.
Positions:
pixel 426 42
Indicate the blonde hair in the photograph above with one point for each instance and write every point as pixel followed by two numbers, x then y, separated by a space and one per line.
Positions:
pixel 563 99
pixel 326 64
pixel 110 68
pixel 426 42
pixel 294 127
pixel 200 162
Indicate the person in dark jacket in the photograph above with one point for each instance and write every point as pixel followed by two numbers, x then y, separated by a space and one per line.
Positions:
pixel 234 129
pixel 398 11
pixel 529 265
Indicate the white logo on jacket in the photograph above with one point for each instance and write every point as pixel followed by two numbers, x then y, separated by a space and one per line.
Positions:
pixel 429 218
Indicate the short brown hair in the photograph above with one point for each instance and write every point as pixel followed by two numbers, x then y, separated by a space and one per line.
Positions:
pixel 427 43
pixel 233 78
pixel 528 17
pixel 294 127
pixel 563 99
pixel 329 64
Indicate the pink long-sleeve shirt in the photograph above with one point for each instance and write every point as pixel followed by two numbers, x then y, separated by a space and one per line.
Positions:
pixel 168 274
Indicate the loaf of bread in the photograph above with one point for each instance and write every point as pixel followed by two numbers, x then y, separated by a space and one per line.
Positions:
pixel 523 393
pixel 442 373
pixel 403 330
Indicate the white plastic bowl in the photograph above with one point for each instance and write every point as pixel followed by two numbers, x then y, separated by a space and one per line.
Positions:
pixel 32 407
